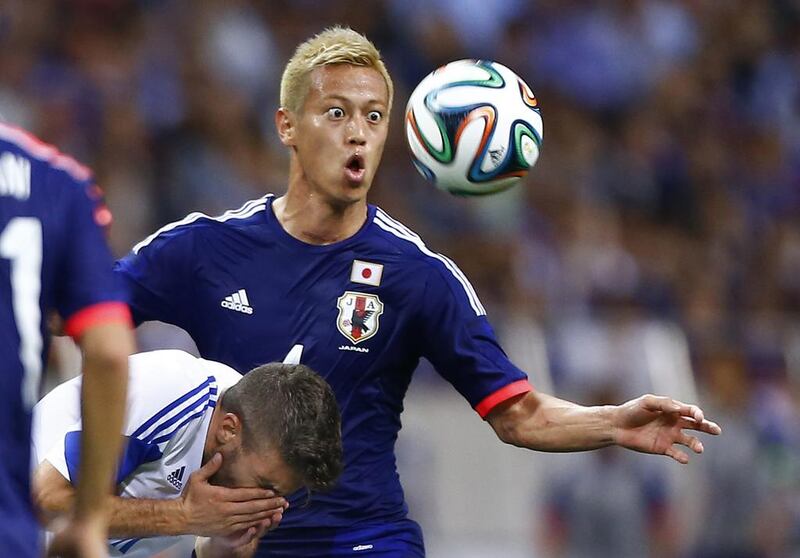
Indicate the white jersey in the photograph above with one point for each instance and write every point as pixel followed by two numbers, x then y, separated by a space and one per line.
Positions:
pixel 171 396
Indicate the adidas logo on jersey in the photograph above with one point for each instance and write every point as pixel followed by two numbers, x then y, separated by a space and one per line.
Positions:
pixel 175 478
pixel 237 301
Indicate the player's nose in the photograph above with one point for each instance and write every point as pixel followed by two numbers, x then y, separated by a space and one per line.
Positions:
pixel 356 132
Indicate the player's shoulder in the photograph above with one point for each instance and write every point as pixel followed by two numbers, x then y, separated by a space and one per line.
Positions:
pixel 197 225
pixel 223 375
pixel 434 268
pixel 177 367
pixel 402 240
pixel 21 151
pixel 165 369
pixel 164 385
pixel 407 243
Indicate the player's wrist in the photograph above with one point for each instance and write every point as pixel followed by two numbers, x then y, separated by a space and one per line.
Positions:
pixel 609 417
pixel 181 517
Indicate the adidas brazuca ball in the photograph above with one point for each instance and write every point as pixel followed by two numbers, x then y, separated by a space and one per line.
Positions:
pixel 474 127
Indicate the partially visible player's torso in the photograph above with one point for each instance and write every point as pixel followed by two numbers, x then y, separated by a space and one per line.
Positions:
pixel 166 477
pixel 344 310
pixel 356 311
pixel 171 398
pixel 36 186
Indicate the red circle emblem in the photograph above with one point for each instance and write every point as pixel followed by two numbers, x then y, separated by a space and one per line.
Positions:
pixel 366 273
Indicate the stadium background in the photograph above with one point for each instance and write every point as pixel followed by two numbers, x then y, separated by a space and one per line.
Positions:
pixel 655 247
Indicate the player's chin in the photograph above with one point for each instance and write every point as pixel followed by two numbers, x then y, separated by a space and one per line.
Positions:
pixel 354 191
pixel 357 182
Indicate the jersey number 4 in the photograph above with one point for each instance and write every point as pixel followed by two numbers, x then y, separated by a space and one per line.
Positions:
pixel 21 243
pixel 293 357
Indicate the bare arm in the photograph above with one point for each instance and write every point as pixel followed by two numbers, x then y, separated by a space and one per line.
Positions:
pixel 202 509
pixel 649 424
pixel 106 348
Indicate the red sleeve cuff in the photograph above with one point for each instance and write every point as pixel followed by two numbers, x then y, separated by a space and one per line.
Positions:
pixel 503 394
pixel 100 313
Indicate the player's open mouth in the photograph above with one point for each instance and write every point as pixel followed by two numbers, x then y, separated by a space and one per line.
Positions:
pixel 355 170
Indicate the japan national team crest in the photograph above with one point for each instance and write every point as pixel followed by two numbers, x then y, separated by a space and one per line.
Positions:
pixel 358 315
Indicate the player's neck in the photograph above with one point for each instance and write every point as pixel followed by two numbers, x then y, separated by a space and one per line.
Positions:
pixel 314 220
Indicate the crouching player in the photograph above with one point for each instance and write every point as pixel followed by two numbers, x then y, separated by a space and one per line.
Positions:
pixel 209 452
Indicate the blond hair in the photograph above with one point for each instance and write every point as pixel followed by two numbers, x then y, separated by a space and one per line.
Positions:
pixel 335 45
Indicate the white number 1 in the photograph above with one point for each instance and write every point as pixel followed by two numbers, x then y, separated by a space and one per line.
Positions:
pixel 21 242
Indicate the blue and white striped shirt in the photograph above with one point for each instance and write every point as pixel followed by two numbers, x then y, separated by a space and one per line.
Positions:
pixel 171 397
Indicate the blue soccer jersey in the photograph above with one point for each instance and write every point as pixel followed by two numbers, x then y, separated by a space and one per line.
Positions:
pixel 52 257
pixel 361 312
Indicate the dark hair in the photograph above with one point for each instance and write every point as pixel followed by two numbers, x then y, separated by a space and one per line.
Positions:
pixel 293 408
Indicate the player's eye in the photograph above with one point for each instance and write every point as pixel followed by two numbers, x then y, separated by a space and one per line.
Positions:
pixel 335 113
pixel 374 116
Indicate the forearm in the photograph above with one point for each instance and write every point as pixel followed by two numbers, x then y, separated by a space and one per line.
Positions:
pixel 542 422
pixel 104 386
pixel 128 517
pixel 138 517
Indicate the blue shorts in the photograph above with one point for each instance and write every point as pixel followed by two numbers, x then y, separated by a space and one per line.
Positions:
pixel 399 539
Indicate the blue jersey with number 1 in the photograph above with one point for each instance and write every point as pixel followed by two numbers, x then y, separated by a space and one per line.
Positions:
pixel 52 257
pixel 361 312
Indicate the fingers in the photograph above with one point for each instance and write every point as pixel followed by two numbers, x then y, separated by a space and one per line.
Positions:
pixel 275 520
pixel 658 403
pixel 690 442
pixel 210 468
pixel 693 412
pixel 259 527
pixel 677 455
pixel 269 524
pixel 253 516
pixel 706 426
pixel 249 495
pixel 262 521
pixel 663 404
pixel 243 538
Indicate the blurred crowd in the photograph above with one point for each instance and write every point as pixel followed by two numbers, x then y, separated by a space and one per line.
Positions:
pixel 667 191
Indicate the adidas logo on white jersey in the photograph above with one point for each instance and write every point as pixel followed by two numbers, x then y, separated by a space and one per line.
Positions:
pixel 237 301
pixel 175 478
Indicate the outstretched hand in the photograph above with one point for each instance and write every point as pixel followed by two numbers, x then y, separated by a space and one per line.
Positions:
pixel 217 511
pixel 653 424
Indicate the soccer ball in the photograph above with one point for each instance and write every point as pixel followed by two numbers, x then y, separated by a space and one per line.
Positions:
pixel 474 127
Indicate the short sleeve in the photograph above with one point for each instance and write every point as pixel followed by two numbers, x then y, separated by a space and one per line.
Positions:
pixel 167 390
pixel 158 277
pixel 63 459
pixel 225 375
pixel 65 455
pixel 461 344
pixel 88 291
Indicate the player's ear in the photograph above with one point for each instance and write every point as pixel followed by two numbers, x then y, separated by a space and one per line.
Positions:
pixel 284 122
pixel 230 429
